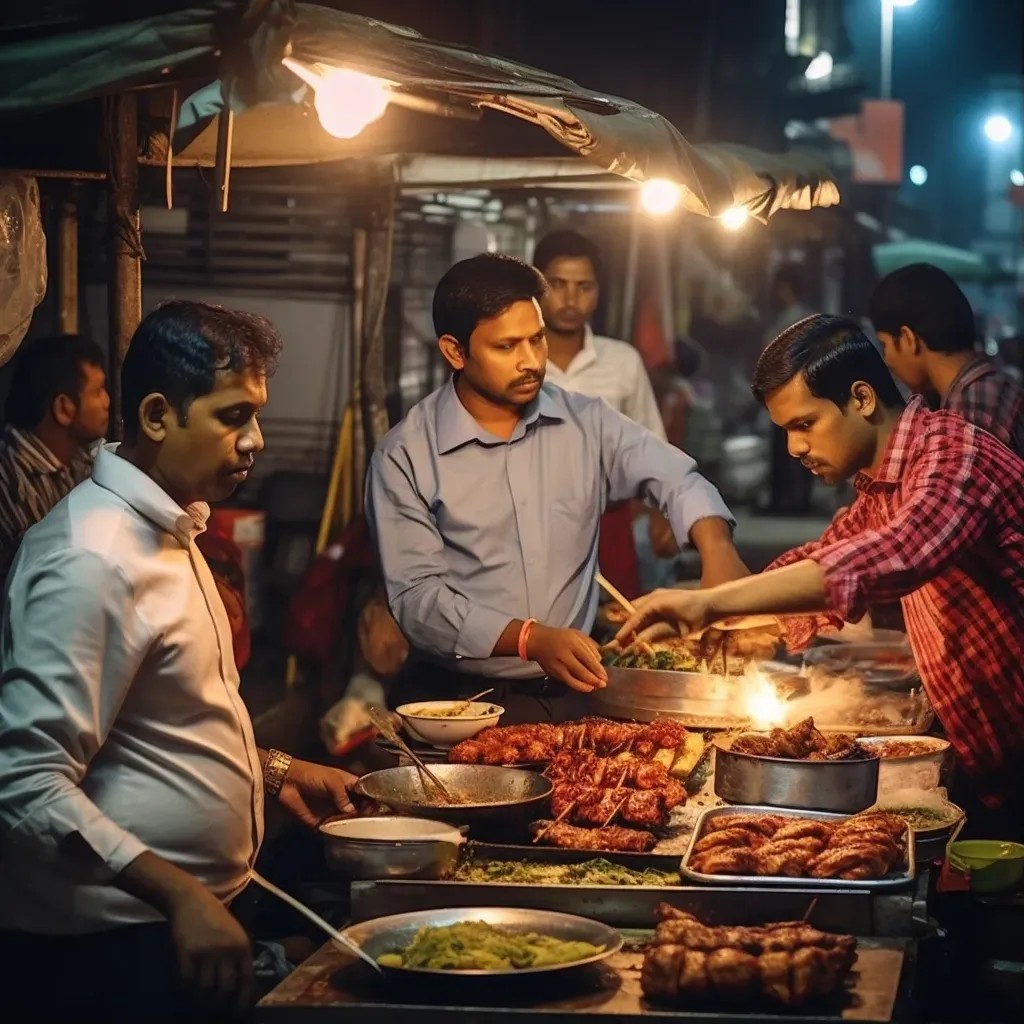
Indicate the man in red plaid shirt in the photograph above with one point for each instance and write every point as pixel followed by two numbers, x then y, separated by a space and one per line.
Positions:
pixel 938 523
pixel 926 327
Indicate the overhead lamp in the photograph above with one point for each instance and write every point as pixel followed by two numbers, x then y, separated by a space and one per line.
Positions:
pixel 998 128
pixel 918 174
pixel 820 67
pixel 345 101
pixel 734 218
pixel 659 195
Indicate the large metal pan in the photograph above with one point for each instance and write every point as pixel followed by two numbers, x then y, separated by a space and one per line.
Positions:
pixel 493 801
pixel 843 787
pixel 392 934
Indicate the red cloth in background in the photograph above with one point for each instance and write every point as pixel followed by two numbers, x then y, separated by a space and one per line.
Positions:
pixel 317 611
pixel 616 550
pixel 224 558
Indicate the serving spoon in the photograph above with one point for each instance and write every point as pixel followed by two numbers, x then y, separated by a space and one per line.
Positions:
pixel 388 730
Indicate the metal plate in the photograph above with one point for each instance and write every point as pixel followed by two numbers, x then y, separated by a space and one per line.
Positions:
pixel 901 880
pixel 392 934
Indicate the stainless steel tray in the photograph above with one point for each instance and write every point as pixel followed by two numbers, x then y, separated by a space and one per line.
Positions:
pixel 902 880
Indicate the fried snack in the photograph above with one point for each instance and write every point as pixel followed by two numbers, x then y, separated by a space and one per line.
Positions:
pixel 803 742
pixel 805 829
pixel 613 838
pixel 730 838
pixel 725 861
pixel 765 824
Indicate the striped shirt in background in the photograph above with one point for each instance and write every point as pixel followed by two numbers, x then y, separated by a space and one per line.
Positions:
pixel 32 481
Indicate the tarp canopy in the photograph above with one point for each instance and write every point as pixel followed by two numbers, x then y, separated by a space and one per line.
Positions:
pixel 233 48
pixel 961 264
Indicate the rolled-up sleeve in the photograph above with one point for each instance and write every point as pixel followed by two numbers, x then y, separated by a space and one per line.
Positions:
pixel 637 464
pixel 71 646
pixel 435 617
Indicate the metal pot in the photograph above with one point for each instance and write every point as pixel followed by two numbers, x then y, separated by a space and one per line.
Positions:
pixel 494 801
pixel 391 847
pixel 843 787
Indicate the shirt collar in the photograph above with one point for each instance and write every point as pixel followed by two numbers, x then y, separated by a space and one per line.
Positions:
pixel 980 366
pixel 897 451
pixel 31 453
pixel 147 497
pixel 456 427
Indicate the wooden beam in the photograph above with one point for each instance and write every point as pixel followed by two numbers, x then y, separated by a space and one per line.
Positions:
pixel 124 240
pixel 67 264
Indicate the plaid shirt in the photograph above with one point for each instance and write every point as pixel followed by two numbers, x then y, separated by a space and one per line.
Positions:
pixel 989 399
pixel 941 527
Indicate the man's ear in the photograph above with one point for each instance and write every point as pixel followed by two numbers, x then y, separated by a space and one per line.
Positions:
pixel 154 411
pixel 908 341
pixel 865 401
pixel 63 410
pixel 452 351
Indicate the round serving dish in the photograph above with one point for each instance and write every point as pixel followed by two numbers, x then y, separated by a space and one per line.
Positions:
pixel 391 847
pixel 920 768
pixel 446 732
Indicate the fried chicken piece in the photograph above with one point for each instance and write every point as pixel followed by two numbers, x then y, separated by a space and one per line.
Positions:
pixel 739 861
pixel 611 838
pixel 879 821
pixel 693 973
pixel 809 845
pixel 732 971
pixel 467 752
pixel 802 829
pixel 774 971
pixel 851 862
pixel 729 838
pixel 666 912
pixel 815 972
pixel 765 824
pixel 788 864
pixel 661 972
pixel 755 744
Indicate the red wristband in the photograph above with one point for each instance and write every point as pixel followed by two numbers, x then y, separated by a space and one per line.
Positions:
pixel 524 636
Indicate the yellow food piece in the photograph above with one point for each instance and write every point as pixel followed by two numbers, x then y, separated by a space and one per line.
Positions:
pixel 688 755
pixel 478 946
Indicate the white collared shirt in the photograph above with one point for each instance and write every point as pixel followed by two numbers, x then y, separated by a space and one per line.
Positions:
pixel 121 726
pixel 612 370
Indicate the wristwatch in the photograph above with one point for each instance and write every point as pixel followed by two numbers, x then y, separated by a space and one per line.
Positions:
pixel 275 770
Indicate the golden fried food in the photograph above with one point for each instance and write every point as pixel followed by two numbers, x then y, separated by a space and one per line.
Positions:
pixel 725 861
pixel 730 837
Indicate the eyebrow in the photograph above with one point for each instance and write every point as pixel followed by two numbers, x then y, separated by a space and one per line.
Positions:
pixel 517 337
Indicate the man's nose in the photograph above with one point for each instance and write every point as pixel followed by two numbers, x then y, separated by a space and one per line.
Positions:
pixel 252 440
pixel 528 358
pixel 798 447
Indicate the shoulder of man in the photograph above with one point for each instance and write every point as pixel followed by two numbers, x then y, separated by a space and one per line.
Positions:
pixel 619 351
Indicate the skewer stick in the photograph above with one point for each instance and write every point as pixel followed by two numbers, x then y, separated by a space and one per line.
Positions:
pixel 619 806
pixel 565 814
pixel 615 594
pixel 809 910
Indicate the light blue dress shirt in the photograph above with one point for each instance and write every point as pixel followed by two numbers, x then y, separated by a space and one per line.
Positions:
pixel 474 531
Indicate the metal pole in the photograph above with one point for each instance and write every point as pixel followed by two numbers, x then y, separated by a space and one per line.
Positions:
pixel 67 273
pixel 887 20
pixel 124 241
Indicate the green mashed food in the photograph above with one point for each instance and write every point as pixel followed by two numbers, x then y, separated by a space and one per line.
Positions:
pixel 591 872
pixel 477 946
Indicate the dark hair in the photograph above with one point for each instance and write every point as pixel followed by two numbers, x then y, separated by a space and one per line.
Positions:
pixel 179 348
pixel 560 244
pixel 791 274
pixel 482 288
pixel 45 369
pixel 833 353
pixel 929 302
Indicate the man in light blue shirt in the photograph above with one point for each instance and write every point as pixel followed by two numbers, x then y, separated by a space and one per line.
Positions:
pixel 485 503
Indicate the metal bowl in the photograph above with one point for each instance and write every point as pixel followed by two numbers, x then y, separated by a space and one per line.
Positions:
pixel 391 847
pixel 843 787
pixel 393 934
pixel 497 801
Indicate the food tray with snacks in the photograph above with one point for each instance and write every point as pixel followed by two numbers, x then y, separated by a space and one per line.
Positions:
pixel 685 969
pixel 760 845
pixel 623 890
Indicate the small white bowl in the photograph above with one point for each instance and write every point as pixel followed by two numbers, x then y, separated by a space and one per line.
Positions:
pixel 446 732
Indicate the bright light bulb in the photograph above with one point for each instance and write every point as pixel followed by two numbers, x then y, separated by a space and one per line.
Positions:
pixel 659 195
pixel 998 128
pixel 820 67
pixel 918 174
pixel 735 218
pixel 347 101
pixel 903 3
pixel 1017 177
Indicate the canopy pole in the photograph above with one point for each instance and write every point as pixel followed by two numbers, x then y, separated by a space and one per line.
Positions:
pixel 67 264
pixel 124 241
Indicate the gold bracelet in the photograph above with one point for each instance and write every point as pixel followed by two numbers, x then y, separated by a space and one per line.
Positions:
pixel 275 770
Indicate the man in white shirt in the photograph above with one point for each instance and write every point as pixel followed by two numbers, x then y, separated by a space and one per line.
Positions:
pixel 582 361
pixel 131 807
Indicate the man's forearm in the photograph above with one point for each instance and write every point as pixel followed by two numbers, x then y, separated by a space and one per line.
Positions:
pixel 508 643
pixel 797 589
pixel 719 559
pixel 157 882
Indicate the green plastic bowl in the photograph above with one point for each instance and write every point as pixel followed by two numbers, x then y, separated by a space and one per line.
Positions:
pixel 991 864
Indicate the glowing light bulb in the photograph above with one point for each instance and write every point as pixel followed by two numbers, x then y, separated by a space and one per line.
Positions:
pixel 347 101
pixel 820 67
pixel 659 195
pixel 735 218
pixel 918 174
pixel 998 128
